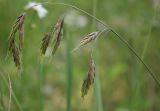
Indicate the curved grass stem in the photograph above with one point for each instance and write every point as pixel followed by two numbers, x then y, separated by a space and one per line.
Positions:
pixel 112 30
pixel 12 93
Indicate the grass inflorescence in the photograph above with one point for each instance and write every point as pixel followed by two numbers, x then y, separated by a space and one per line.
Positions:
pixel 15 47
pixel 89 80
pixel 87 39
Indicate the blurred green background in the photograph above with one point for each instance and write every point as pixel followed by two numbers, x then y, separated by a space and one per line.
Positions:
pixel 46 84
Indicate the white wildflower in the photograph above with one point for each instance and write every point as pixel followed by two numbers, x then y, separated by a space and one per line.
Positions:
pixel 41 11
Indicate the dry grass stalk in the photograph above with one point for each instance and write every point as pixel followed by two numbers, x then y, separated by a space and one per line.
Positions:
pixel 89 80
pixel 45 42
pixel 58 30
pixel 87 39
pixel 12 47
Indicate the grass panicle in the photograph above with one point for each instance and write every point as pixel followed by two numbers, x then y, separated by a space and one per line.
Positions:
pixel 87 39
pixel 58 33
pixel 89 80
pixel 14 48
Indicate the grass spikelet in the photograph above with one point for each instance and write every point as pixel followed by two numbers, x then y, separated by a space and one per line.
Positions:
pixel 87 39
pixel 16 54
pixel 21 37
pixel 45 42
pixel 13 49
pixel 18 25
pixel 89 80
pixel 58 30
pixel 57 37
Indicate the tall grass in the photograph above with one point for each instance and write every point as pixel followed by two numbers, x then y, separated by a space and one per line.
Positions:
pixel 69 80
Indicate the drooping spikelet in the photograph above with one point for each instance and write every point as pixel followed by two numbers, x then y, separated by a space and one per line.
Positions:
pixel 18 25
pixel 89 80
pixel 58 30
pixel 45 42
pixel 49 35
pixel 87 39
pixel 13 49
pixel 15 53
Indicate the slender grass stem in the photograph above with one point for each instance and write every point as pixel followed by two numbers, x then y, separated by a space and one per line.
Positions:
pixel 12 92
pixel 139 72
pixel 69 72
pixel 41 78
pixel 139 58
pixel 113 31
pixel 2 107
pixel 97 85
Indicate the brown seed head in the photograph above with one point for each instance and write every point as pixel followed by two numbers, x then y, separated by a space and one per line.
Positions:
pixel 15 54
pixel 45 42
pixel 12 47
pixel 58 30
pixel 89 80
pixel 87 39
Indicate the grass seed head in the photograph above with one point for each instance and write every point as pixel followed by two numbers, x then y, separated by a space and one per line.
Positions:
pixel 21 37
pixel 18 24
pixel 18 27
pixel 45 42
pixel 58 30
pixel 16 54
pixel 89 80
pixel 87 39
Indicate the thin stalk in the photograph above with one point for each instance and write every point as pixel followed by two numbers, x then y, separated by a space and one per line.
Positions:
pixel 12 92
pixel 139 72
pixel 131 79
pixel 41 78
pixel 69 71
pixel 139 58
pixel 41 82
pixel 97 85
pixel 74 7
pixel 114 32
pixel 2 107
